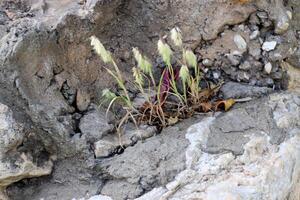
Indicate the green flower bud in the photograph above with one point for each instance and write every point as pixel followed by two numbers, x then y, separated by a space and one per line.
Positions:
pixel 190 58
pixel 138 76
pixel 165 52
pixel 184 73
pixel 100 50
pixel 142 61
pixel 176 36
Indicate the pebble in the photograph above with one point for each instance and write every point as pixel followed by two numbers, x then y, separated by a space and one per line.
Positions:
pixel 245 65
pixel 243 76
pixel 234 59
pixel 262 15
pixel 207 62
pixel 268 68
pixel 289 14
pixel 254 34
pixel 240 42
pixel 216 74
pixel 282 23
pixel 269 46
pixel 104 148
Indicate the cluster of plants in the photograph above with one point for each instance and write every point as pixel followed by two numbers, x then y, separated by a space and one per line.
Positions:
pixel 177 93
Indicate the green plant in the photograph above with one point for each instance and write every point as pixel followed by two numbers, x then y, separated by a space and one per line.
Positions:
pixel 160 109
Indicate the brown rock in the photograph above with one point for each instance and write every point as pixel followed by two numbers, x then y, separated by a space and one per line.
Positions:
pixel 82 99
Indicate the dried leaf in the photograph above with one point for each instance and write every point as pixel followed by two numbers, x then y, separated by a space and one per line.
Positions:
pixel 172 120
pixel 206 107
pixel 225 104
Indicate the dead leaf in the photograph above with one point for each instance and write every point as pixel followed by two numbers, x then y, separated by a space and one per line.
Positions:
pixel 225 104
pixel 172 120
pixel 206 107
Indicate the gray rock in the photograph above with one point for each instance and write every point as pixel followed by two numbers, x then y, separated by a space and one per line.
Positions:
pixel 255 50
pixel 268 130
pixel 82 99
pixel 234 60
pixel 269 46
pixel 238 90
pixel 262 15
pixel 15 165
pixel 104 148
pixel 151 163
pixel 207 62
pixel 240 42
pixel 254 35
pixel 243 76
pixel 268 68
pixel 245 65
pixel 94 125
pixel 11 133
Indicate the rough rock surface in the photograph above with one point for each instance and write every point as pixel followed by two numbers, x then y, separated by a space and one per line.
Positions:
pixel 264 169
pixel 50 78
pixel 16 164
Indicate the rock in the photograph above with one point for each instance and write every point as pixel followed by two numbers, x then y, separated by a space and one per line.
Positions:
pixel 226 175
pixel 254 20
pixel 104 148
pixel 240 42
pixel 293 82
pixel 153 162
pixel 262 15
pixel 268 68
pixel 237 90
pixel 82 99
pixel 243 76
pixel 234 59
pixel 94 125
pixel 207 62
pixel 110 144
pixel 100 197
pixel 255 50
pixel 245 65
pixel 216 74
pixel 11 133
pixel 269 46
pixel 16 165
pixel 254 35
pixel 282 22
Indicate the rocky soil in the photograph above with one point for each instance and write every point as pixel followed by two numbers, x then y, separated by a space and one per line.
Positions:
pixel 51 83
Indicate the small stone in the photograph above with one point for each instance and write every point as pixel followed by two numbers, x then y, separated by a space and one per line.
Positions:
pixel 289 14
pixel 254 34
pixel 269 46
pixel 104 148
pixel 255 50
pixel 82 99
pixel 216 74
pixel 240 42
pixel 268 82
pixel 254 20
pixel 268 68
pixel 242 27
pixel 282 23
pixel 262 15
pixel 100 197
pixel 94 125
pixel 243 76
pixel 245 66
pixel 207 62
pixel 234 59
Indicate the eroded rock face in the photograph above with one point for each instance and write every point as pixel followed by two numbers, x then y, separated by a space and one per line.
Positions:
pixel 263 171
pixel 16 164
pixel 50 76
